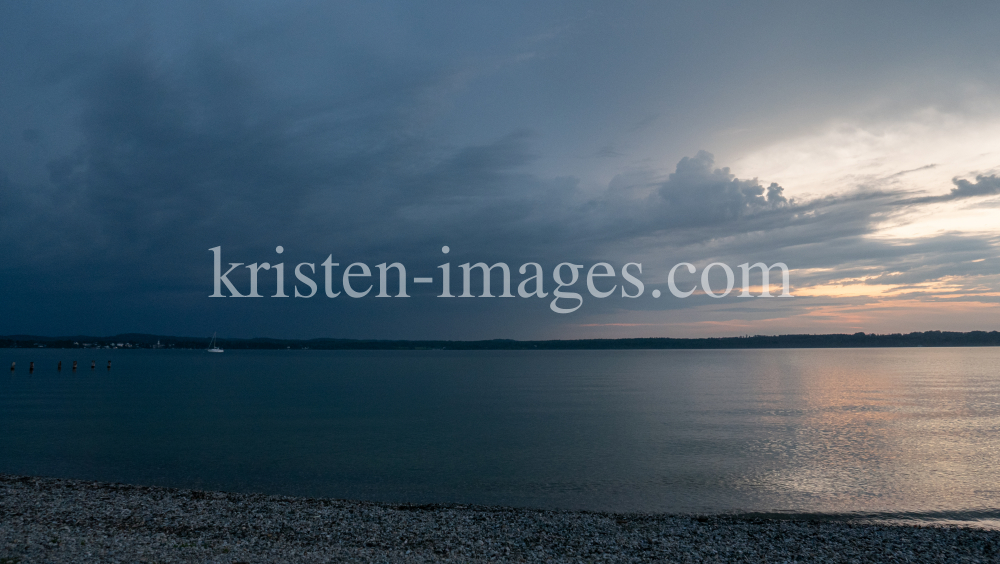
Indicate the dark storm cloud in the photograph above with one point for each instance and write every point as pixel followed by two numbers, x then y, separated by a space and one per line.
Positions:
pixel 697 195
pixel 177 158
pixel 983 186
pixel 236 143
pixel 173 157
pixel 963 188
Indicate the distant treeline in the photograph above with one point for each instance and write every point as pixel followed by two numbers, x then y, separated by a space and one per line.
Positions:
pixel 857 340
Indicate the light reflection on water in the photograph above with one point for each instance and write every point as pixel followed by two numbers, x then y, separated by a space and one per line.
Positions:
pixel 907 434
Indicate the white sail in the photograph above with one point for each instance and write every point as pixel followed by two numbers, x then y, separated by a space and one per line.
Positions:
pixel 212 347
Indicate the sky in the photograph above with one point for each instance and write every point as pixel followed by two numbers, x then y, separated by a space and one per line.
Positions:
pixel 858 143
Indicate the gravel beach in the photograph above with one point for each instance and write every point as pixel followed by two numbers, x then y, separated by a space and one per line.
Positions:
pixel 54 520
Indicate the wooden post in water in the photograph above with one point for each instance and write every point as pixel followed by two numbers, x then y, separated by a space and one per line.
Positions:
pixel 31 367
pixel 59 368
pixel 93 364
pixel 74 366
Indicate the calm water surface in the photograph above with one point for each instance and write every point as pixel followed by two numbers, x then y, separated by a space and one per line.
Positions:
pixel 891 433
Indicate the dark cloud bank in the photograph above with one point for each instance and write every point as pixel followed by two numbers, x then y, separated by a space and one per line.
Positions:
pixel 175 158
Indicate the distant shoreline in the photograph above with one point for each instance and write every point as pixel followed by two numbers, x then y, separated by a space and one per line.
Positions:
pixel 856 340
pixel 58 520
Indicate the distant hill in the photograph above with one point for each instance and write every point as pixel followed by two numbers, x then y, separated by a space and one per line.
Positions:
pixel 856 340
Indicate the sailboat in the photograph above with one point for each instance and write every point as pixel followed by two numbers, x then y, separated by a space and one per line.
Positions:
pixel 212 347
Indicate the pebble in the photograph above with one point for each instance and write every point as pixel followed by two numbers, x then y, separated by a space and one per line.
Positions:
pixel 56 520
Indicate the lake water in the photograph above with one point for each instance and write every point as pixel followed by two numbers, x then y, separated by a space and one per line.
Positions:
pixel 888 433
